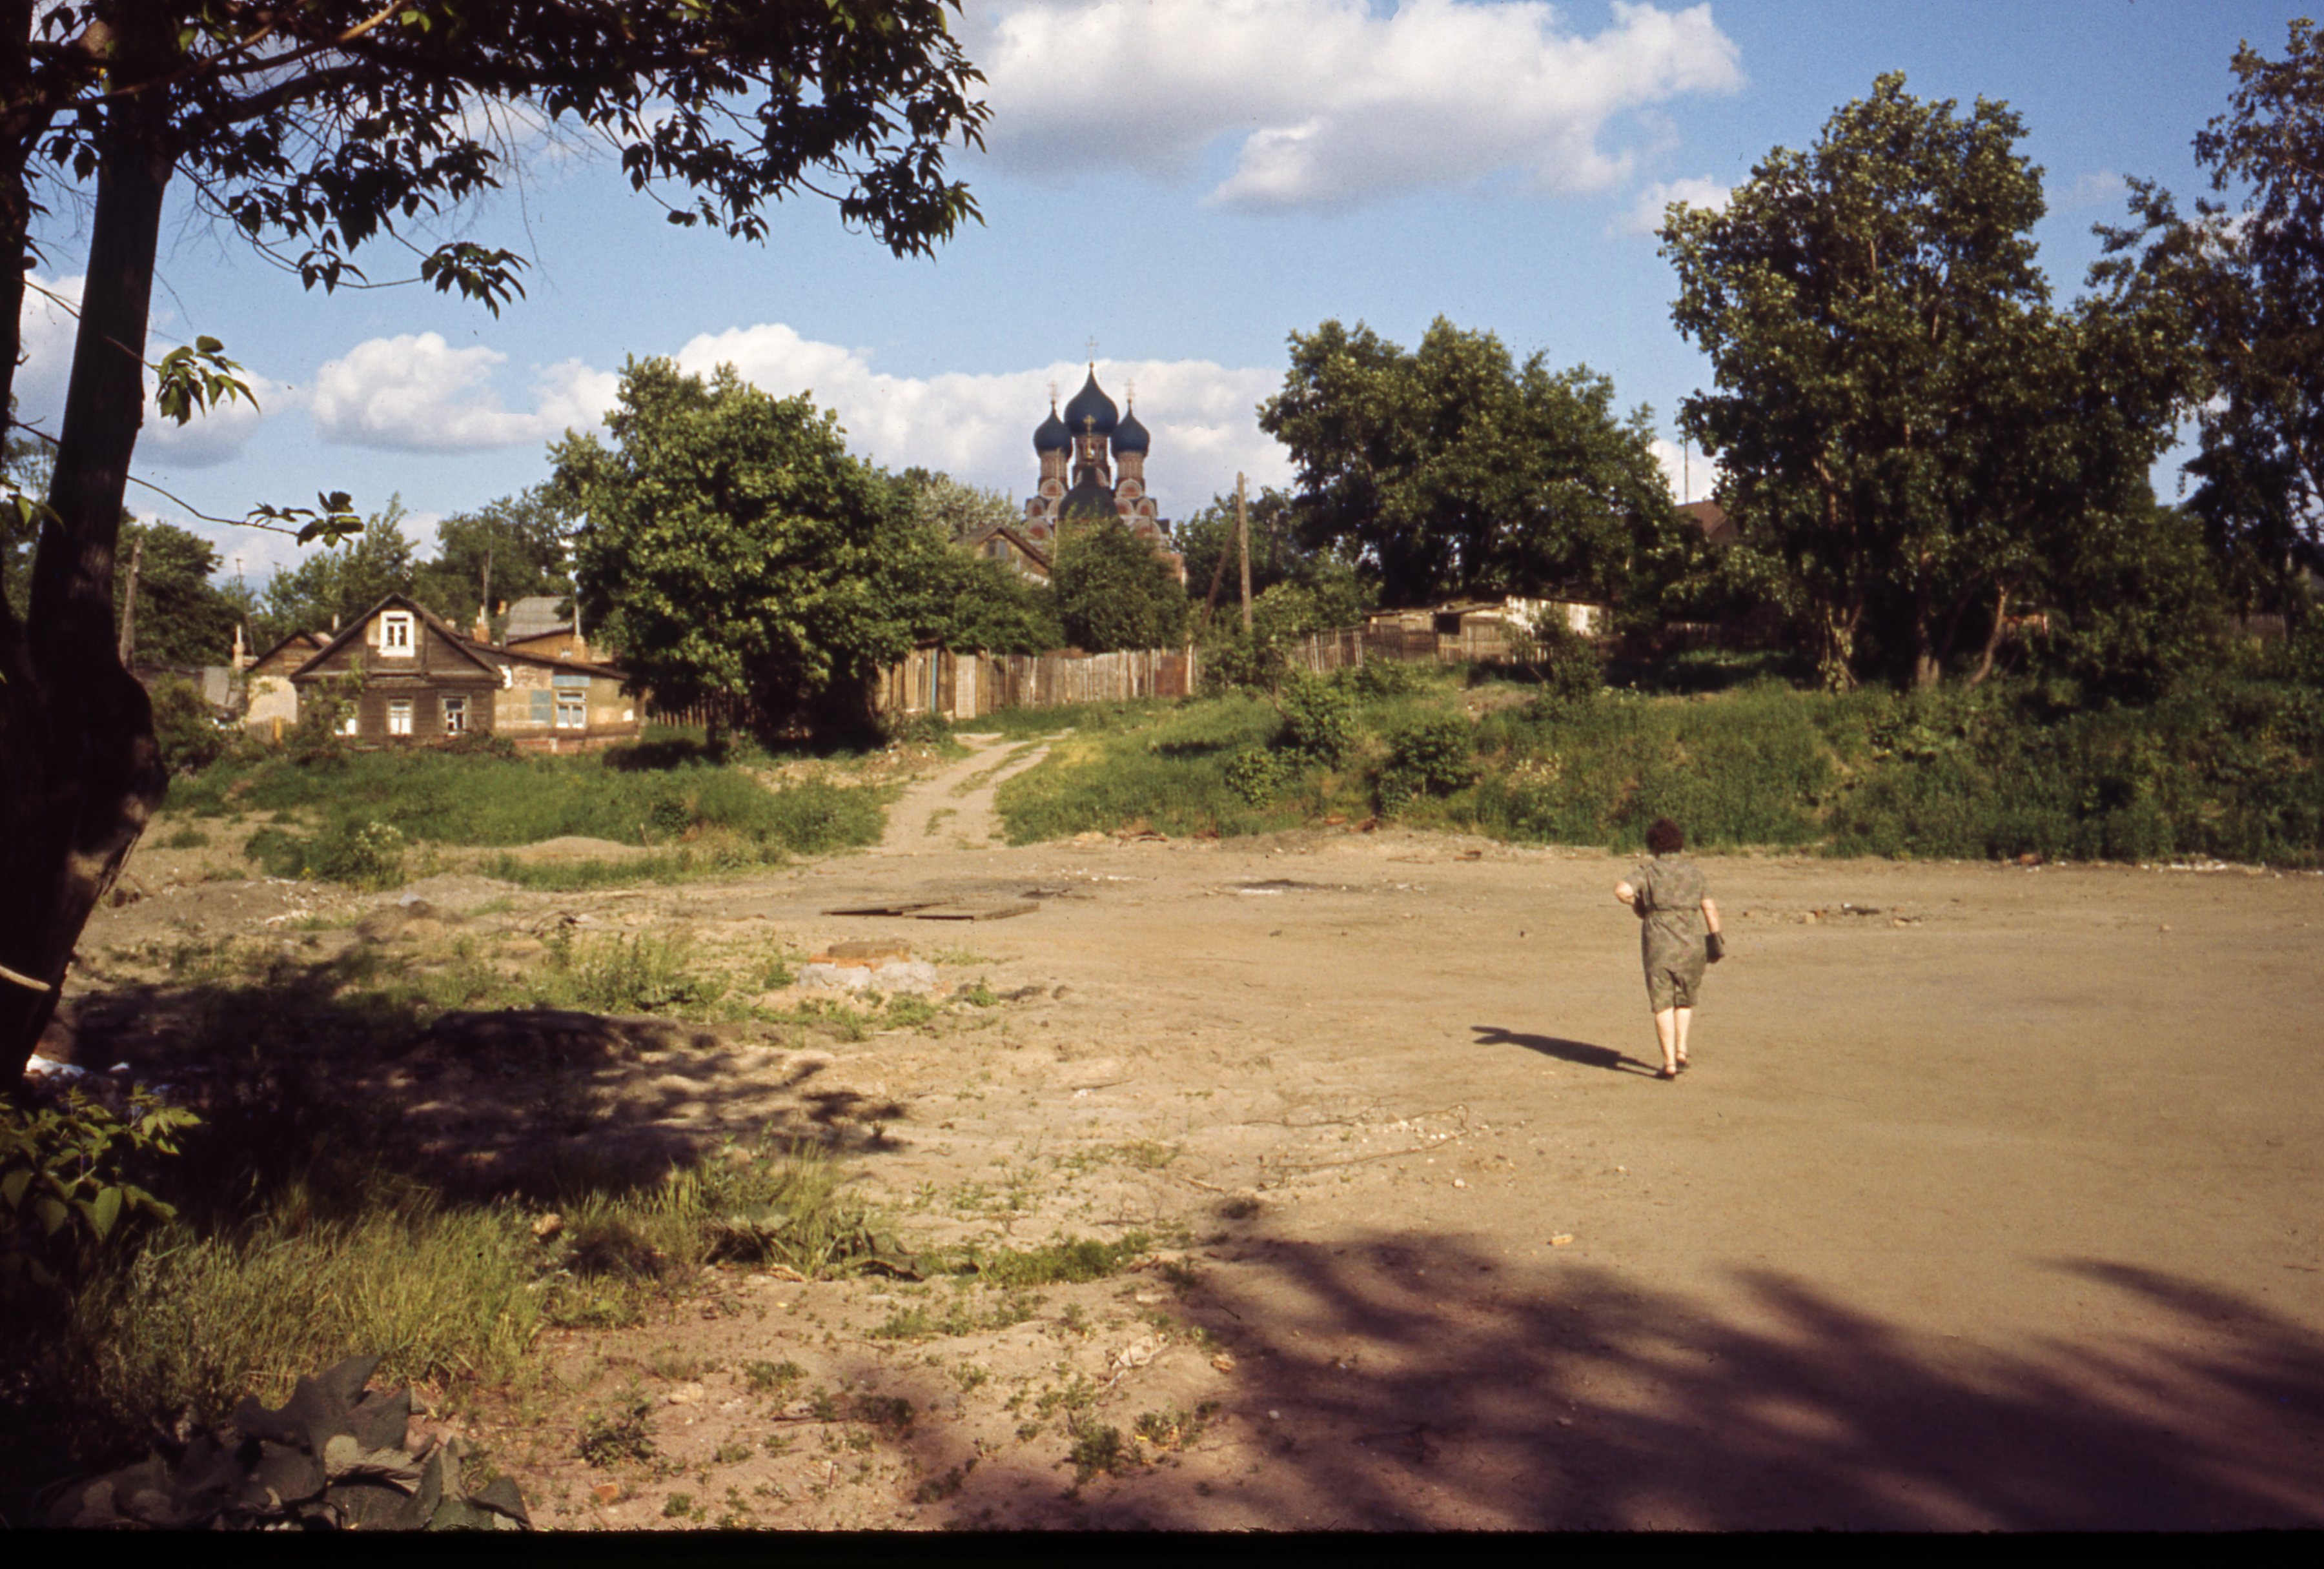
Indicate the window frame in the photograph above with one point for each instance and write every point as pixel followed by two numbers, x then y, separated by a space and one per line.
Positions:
pixel 394 625
pixel 576 705
pixel 454 709
pixel 399 716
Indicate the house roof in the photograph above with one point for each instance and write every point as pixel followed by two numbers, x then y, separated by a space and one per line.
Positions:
pixel 313 640
pixel 554 661
pixel 400 601
pixel 534 614
pixel 977 541
pixel 1711 519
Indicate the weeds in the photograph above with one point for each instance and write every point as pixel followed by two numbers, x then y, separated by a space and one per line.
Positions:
pixel 621 1433
pixel 1070 1261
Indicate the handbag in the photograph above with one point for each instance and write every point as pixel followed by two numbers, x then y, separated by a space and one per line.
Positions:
pixel 1714 948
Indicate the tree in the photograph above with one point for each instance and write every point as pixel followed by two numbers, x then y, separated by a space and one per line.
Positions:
pixel 1452 470
pixel 314 129
pixel 1905 424
pixel 523 537
pixel 985 606
pixel 2247 288
pixel 182 617
pixel 740 557
pixel 955 510
pixel 1113 592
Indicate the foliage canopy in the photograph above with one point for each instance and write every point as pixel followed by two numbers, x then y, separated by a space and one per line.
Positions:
pixel 1453 470
pixel 740 557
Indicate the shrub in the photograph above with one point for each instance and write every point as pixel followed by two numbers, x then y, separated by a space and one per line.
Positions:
pixel 1384 678
pixel 366 857
pixel 1429 757
pixel 1259 776
pixel 1570 667
pixel 65 1183
pixel 186 728
pixel 1318 719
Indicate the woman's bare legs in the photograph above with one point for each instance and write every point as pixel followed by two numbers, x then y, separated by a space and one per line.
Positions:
pixel 1666 1031
pixel 1686 1017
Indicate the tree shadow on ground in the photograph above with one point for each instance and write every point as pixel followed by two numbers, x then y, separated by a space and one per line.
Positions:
pixel 1581 1052
pixel 1411 1381
pixel 476 1102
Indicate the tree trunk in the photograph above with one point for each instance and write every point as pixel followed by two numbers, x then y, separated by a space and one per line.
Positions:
pixel 79 773
pixel 1992 638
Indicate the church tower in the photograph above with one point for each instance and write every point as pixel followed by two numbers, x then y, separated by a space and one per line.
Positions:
pixel 1081 452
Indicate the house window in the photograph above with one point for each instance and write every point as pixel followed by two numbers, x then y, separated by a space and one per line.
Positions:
pixel 395 632
pixel 349 724
pixel 572 711
pixel 456 716
pixel 399 716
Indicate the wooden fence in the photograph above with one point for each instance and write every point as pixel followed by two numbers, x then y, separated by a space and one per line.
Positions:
pixel 965 687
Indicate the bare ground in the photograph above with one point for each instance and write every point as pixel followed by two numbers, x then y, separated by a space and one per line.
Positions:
pixel 1991 1202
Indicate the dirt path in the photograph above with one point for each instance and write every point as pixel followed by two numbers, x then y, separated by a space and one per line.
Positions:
pixel 952 809
pixel 1991 1202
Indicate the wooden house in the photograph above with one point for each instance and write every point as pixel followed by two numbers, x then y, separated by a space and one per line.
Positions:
pixel 272 700
pixel 1001 542
pixel 423 682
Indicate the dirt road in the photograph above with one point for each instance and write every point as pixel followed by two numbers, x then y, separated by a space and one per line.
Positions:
pixel 1993 1201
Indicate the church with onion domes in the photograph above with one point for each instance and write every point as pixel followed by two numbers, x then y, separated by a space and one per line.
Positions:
pixel 1093 465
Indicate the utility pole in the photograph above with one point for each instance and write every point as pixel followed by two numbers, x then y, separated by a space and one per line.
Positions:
pixel 484 610
pixel 129 604
pixel 1242 548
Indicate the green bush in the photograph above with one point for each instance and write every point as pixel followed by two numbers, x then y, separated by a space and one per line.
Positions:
pixel 1386 677
pixel 186 728
pixel 1318 719
pixel 1259 776
pixel 1429 757
pixel 70 1183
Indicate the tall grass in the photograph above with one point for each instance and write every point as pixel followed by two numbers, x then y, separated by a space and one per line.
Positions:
pixel 1167 769
pixel 482 800
pixel 2226 766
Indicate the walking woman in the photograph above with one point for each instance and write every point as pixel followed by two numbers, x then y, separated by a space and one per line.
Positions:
pixel 1678 931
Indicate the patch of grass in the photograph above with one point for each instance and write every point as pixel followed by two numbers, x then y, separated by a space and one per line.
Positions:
pixel 1069 1262
pixel 1168 768
pixel 707 816
pixel 777 1378
pixel 186 838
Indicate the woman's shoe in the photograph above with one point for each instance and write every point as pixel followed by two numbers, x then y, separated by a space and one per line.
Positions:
pixel 1681 1065
pixel 1669 1073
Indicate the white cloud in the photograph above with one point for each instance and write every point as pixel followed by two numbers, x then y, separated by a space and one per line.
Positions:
pixel 1692 477
pixel 979 428
pixel 2103 187
pixel 416 393
pixel 1645 214
pixel 49 324
pixel 1332 104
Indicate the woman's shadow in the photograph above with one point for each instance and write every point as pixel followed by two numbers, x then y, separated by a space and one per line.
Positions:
pixel 1564 1051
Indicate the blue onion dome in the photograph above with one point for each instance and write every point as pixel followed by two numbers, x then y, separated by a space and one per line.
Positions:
pixel 1053 436
pixel 1091 412
pixel 1087 499
pixel 1131 436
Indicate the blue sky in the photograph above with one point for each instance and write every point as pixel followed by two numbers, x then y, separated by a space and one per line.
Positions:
pixel 1187 182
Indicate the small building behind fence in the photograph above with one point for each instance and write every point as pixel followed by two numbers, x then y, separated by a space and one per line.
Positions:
pixel 1476 631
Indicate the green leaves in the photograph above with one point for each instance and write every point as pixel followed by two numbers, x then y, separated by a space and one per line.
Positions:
pixel 740 557
pixel 64 1181
pixel 1451 470
pixel 191 379
pixel 1906 427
